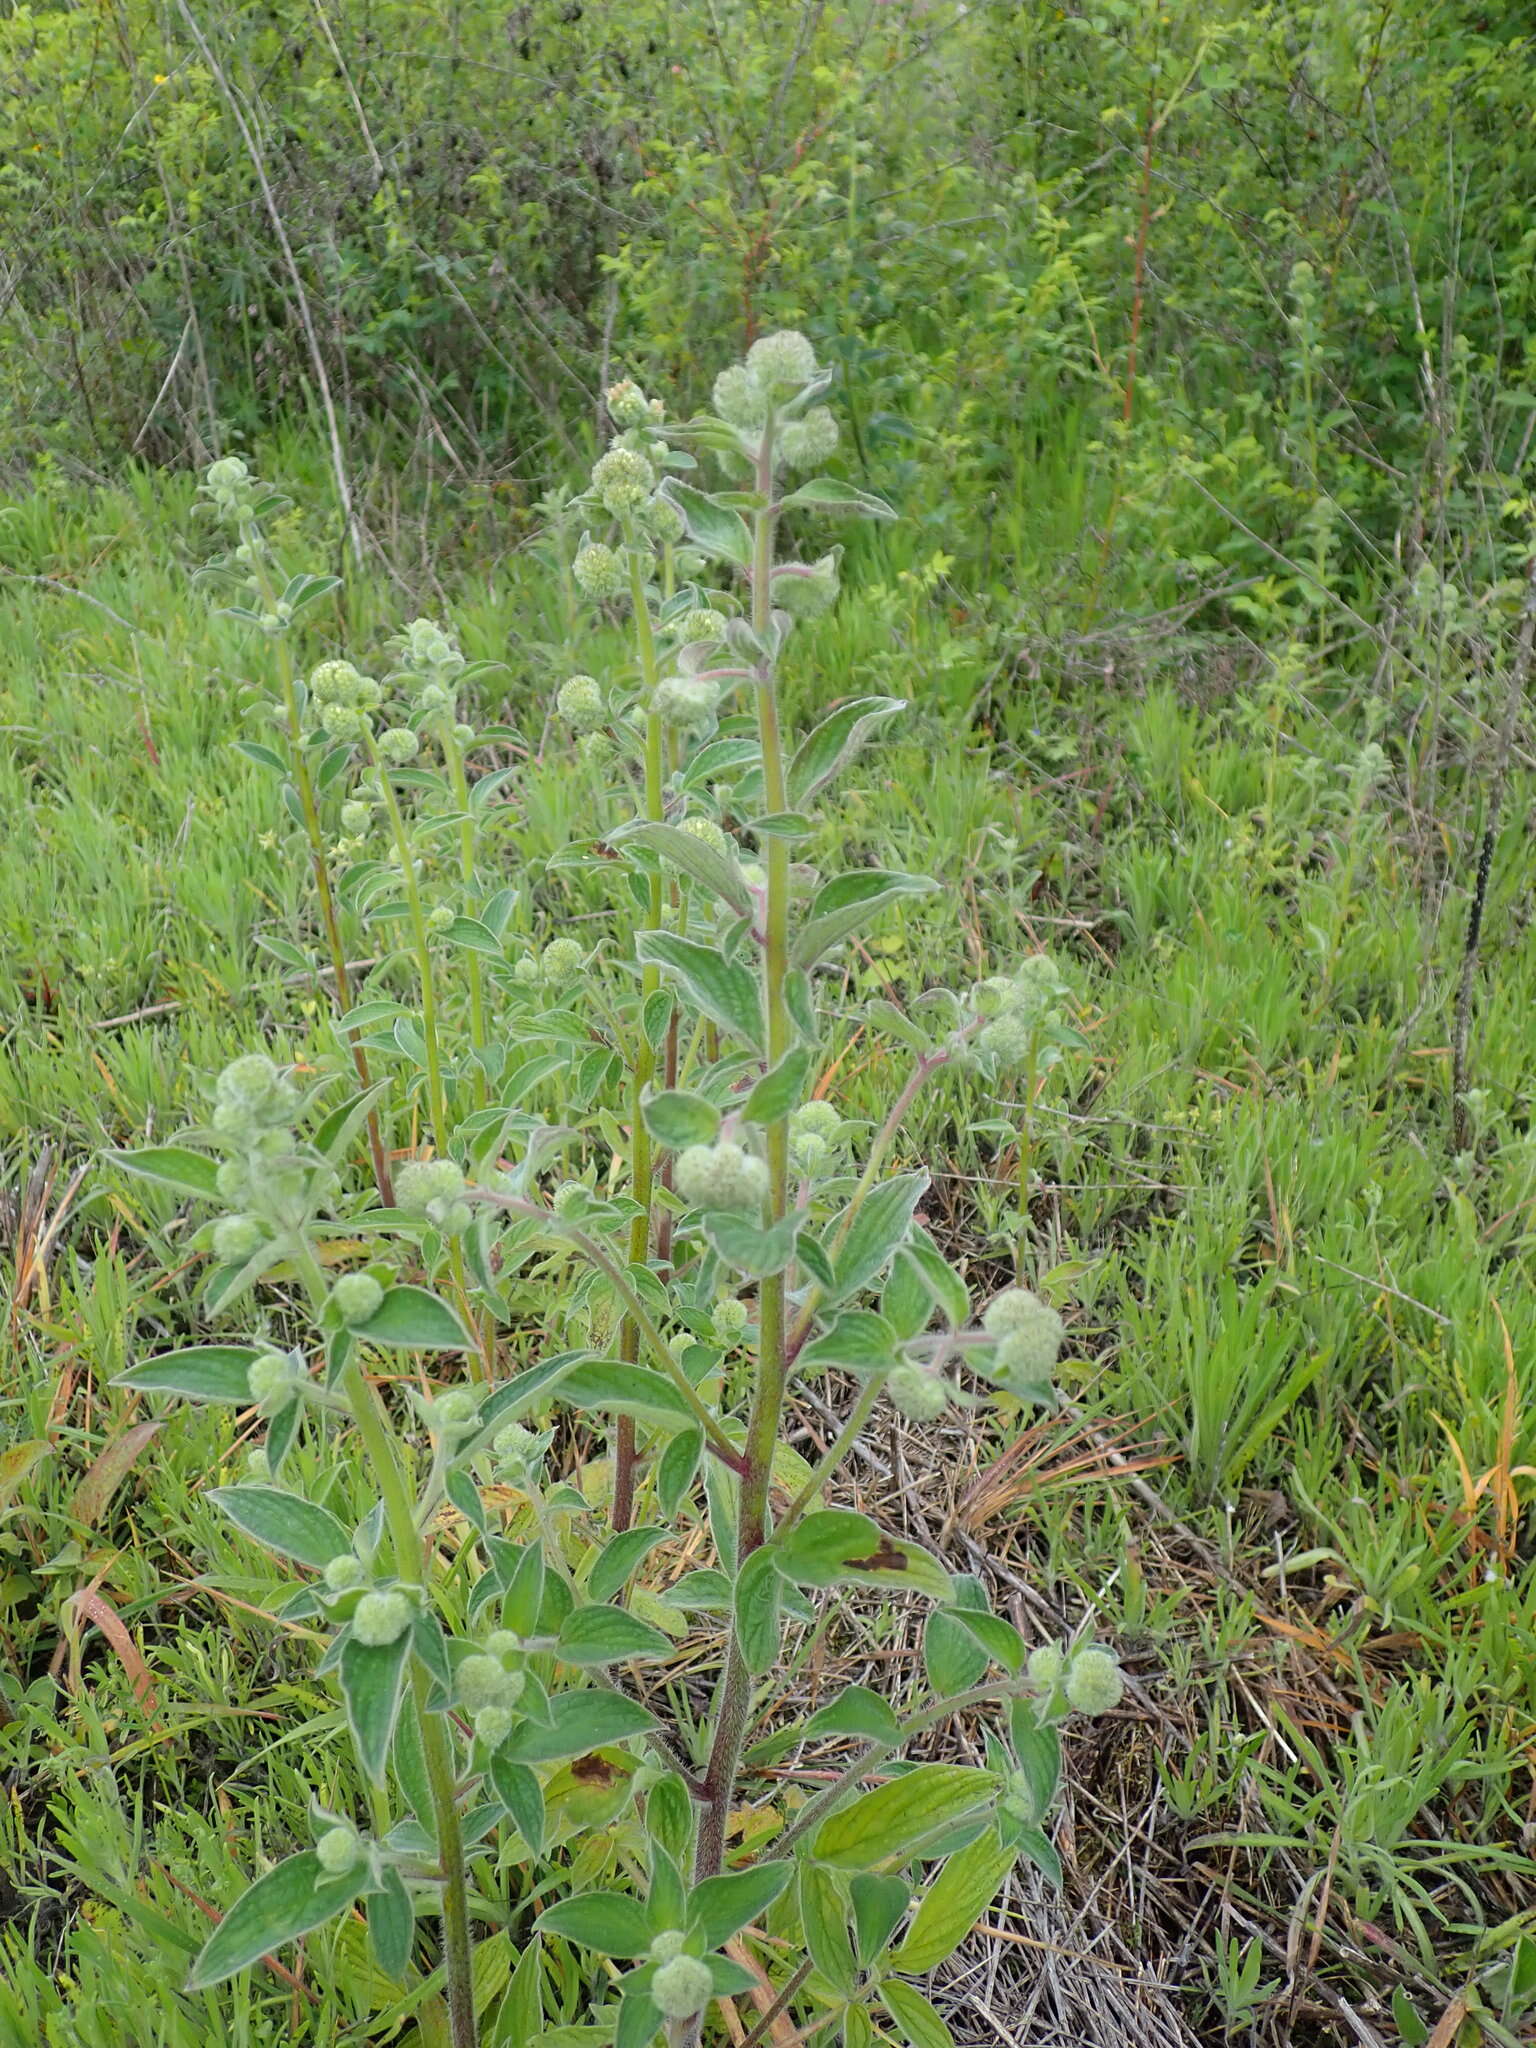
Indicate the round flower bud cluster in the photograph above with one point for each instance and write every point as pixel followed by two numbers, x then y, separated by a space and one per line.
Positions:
pixel 740 399
pixel 484 1681
pixel 1016 1006
pixel 600 572
pixel 662 521
pixel 434 1188
pixel 344 697
pixel 381 1618
pixel 685 701
pixel 356 1296
pixel 628 405
pixel 708 833
pixel 580 703
pixel 806 443
pixel 453 1414
pixel 1029 1336
pixel 681 1988
pixel 729 1318
pixel 427 650
pixel 493 1725
pixel 561 961
pixel 232 488
pixel 623 480
pixel 440 917
pixel 783 363
pixel 1045 1666
pixel 238 1238
pixel 1095 1682
pixel 346 1573
pixel 356 817
pixel 570 1198
pixel 273 1381
pixel 808 595
pixel 258 1466
pixel 669 1943
pixel 254 1105
pixel 338 1851
pixel 720 1176
pixel 916 1393
pixel 814 1129
pixel 520 1455
pixel 398 744
pixel 702 623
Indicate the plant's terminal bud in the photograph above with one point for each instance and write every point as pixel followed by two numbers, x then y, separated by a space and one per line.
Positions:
pixel 356 1296
pixel 481 1683
pixel 740 399
pixel 685 701
pixel 720 1176
pixel 238 1238
pixel 703 623
pixel 661 518
pixel 782 362
pixel 808 596
pixel 708 832
pixel 729 1318
pixel 346 1573
pixel 228 473
pixel 270 1378
pixel 381 1618
pixel 600 572
pixel 669 1943
pixel 1029 1335
pixel 398 744
pixel 806 443
pixel 1095 1684
pixel 623 480
pixel 426 1182
pixel 627 404
pixel 920 1396
pixel 493 1725
pixel 681 1988
pixel 1045 1666
pixel 338 1851
pixel 817 1119
pixel 356 818
pixel 453 1413
pixel 562 960
pixel 570 1197
pixel 440 916
pixel 580 703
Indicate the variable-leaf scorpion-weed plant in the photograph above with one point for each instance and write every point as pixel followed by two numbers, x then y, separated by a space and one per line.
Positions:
pixel 726 1245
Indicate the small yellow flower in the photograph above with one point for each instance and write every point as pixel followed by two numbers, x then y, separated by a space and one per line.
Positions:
pixel 161 77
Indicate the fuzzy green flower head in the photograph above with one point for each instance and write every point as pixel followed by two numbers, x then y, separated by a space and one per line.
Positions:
pixel 356 1296
pixel 338 1851
pixel 600 572
pixel 1029 1334
pixel 816 1119
pixel 628 405
pixel 341 722
pixel 808 593
pixel 720 1176
pixel 669 1943
pixel 356 818
pixel 707 832
pixel 238 1238
pixel 702 623
pixel 1045 1667
pixel 685 701
pixel 433 697
pixel 729 1318
pixel 919 1395
pixel 227 474
pixel 806 443
pixel 425 645
pixel 398 745
pixel 623 480
pixel 381 1618
pixel 519 1451
pixel 252 1098
pixel 1095 1683
pixel 782 363
pixel 740 399
pixel 662 521
pixel 481 1683
pixel 271 1379
pixel 493 1725
pixel 562 960
pixel 453 1414
pixel 580 703
pixel 233 1181
pixel 681 1988
pixel 337 682
pixel 425 1183
pixel 570 1198
pixel 346 1573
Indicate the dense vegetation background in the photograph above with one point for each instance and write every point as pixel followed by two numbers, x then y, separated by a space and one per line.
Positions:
pixel 1197 348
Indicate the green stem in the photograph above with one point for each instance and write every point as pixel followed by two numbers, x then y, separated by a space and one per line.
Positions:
pixel 1026 1147
pixel 303 782
pixel 836 1451
pixel 642 1153
pixel 453 754
pixel 410 1568
pixel 735 1699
